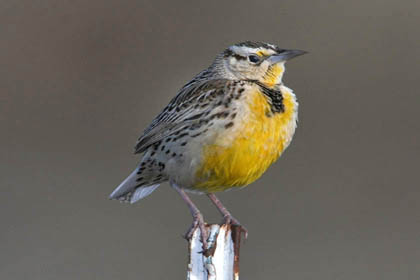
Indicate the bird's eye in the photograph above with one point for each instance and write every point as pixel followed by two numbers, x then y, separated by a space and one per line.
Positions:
pixel 254 58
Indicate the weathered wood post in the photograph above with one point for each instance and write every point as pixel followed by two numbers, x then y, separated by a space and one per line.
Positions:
pixel 221 261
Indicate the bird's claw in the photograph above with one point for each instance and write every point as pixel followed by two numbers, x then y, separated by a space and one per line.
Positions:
pixel 198 222
pixel 188 235
pixel 230 220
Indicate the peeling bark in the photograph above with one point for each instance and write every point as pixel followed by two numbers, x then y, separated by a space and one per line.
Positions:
pixel 221 261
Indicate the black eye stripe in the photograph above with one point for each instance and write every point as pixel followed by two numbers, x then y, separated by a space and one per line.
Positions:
pixel 230 53
pixel 253 58
pixel 239 57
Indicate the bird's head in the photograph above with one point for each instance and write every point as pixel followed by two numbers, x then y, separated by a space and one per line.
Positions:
pixel 255 61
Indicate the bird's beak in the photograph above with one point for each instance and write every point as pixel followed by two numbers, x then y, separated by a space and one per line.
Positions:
pixel 285 55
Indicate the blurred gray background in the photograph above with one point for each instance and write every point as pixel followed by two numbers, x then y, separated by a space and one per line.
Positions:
pixel 80 80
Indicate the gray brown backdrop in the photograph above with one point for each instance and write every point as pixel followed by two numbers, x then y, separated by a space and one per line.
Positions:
pixel 81 79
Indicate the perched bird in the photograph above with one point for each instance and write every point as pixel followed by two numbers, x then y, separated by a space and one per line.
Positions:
pixel 222 130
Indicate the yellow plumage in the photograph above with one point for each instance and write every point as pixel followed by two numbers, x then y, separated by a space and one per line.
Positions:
pixel 258 142
pixel 273 75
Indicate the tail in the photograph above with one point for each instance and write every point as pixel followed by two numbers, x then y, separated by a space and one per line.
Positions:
pixel 130 190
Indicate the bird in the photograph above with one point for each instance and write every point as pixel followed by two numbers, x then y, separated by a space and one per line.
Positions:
pixel 222 130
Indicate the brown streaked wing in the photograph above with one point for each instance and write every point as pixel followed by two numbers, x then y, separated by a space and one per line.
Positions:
pixel 186 108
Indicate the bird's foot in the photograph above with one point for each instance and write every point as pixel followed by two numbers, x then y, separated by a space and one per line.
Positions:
pixel 230 220
pixel 198 222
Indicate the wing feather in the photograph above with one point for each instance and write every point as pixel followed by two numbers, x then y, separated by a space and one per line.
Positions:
pixel 186 108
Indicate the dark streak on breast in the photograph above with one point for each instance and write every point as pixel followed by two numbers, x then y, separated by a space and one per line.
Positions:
pixel 274 96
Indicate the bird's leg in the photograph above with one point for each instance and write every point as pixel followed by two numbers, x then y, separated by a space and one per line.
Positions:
pixel 227 217
pixel 198 220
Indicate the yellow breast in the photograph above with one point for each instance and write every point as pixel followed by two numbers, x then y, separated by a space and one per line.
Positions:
pixel 258 141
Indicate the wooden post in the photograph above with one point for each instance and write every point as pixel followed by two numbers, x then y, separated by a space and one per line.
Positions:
pixel 221 261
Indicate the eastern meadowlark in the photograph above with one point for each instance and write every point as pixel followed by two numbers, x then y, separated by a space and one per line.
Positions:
pixel 222 130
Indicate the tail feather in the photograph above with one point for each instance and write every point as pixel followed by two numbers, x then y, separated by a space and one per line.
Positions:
pixel 142 192
pixel 130 190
